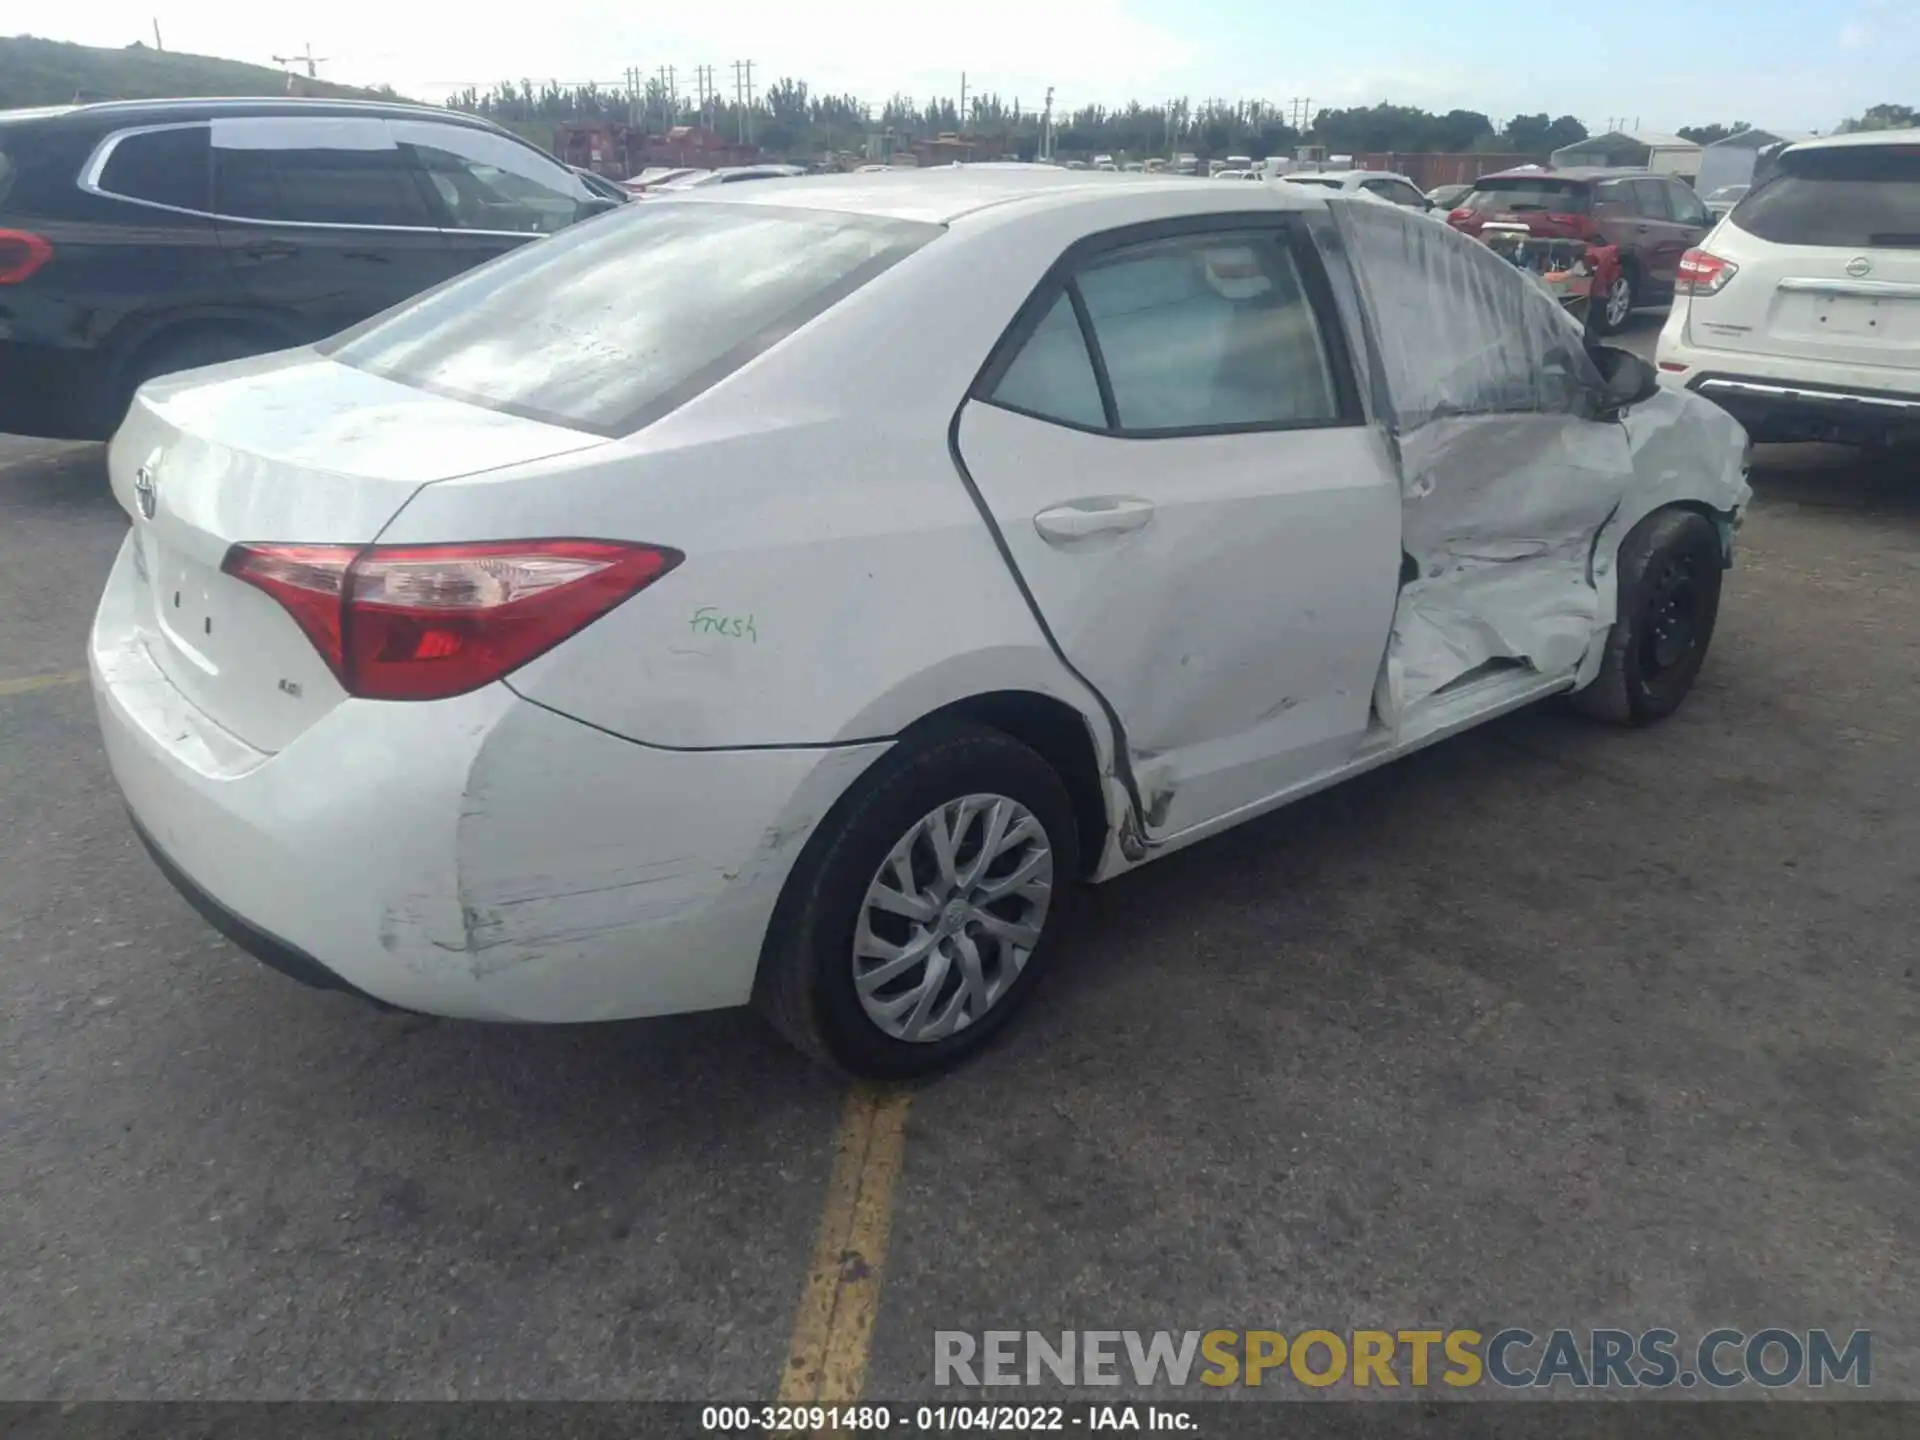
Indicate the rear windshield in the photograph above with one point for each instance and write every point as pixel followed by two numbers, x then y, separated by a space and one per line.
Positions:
pixel 1529 192
pixel 1856 197
pixel 611 324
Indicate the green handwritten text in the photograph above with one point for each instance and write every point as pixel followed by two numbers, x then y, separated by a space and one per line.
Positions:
pixel 709 621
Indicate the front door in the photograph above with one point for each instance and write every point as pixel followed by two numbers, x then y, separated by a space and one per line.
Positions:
pixel 1170 444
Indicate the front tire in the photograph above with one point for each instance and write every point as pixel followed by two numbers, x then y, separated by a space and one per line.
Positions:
pixel 1669 598
pixel 922 911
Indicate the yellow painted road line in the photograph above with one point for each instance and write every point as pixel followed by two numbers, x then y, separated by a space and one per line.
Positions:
pixel 833 1331
pixel 27 684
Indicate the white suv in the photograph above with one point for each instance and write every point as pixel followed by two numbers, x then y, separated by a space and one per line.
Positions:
pixel 1800 312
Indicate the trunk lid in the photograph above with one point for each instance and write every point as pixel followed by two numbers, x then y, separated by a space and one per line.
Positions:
pixel 291 448
pixel 1828 252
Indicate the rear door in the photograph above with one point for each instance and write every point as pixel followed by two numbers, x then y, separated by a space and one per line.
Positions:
pixel 1665 239
pixel 1828 257
pixel 322 219
pixel 1170 442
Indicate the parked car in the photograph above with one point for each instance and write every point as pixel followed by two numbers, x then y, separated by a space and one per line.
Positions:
pixel 1381 184
pixel 729 175
pixel 1652 220
pixel 1445 197
pixel 142 237
pixel 657 175
pixel 786 591
pixel 1721 201
pixel 1802 314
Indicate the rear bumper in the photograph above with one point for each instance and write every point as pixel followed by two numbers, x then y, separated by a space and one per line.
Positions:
pixel 481 857
pixel 1774 410
pixel 51 394
pixel 1784 398
pixel 274 954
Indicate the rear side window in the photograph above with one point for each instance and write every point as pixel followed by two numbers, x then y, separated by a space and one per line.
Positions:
pixel 1650 199
pixel 611 324
pixel 1209 332
pixel 1859 197
pixel 163 167
pixel 314 171
pixel 1522 193
pixel 1052 377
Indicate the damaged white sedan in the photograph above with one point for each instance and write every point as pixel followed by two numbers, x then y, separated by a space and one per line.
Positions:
pixel 779 593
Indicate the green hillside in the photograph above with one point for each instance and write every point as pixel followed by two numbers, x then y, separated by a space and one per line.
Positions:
pixel 52 72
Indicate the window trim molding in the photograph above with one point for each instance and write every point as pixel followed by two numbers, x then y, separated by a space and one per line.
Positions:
pixel 95 166
pixel 1288 228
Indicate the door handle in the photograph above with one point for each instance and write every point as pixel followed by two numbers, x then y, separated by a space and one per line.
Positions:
pixel 1080 519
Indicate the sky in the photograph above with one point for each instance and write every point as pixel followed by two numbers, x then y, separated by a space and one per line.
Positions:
pixel 1790 64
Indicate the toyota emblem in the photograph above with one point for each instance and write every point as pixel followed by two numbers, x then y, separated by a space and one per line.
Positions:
pixel 1858 266
pixel 145 492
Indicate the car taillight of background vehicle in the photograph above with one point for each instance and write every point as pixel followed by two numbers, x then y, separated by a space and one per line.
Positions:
pixel 1703 273
pixel 425 622
pixel 21 253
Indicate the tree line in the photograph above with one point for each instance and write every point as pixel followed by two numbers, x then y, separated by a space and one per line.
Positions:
pixel 790 118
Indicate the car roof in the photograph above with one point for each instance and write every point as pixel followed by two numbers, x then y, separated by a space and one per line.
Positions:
pixel 1347 175
pixel 1858 137
pixel 1575 172
pixel 135 112
pixel 946 193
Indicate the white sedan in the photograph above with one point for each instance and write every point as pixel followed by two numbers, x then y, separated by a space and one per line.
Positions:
pixel 780 592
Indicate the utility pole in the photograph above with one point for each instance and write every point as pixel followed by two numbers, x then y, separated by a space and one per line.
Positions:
pixel 156 34
pixel 1046 127
pixel 963 102
pixel 633 97
pixel 309 59
pixel 743 97
pixel 669 98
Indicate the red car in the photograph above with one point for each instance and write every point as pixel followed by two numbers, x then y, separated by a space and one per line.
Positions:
pixel 1650 221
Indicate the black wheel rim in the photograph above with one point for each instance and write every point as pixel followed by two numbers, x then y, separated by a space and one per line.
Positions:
pixel 1670 626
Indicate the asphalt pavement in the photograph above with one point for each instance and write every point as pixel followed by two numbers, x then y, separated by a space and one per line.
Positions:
pixel 1550 1025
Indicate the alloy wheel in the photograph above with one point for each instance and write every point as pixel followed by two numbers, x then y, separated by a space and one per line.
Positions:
pixel 951 917
pixel 1619 301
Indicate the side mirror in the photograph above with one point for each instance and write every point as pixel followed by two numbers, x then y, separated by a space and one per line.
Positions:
pixel 1627 379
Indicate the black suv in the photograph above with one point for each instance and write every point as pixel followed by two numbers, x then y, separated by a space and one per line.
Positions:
pixel 138 238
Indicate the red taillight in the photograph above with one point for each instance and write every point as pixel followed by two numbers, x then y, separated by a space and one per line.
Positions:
pixel 423 622
pixel 1703 273
pixel 21 253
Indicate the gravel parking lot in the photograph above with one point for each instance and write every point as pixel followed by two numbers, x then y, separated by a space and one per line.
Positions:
pixel 1550 1026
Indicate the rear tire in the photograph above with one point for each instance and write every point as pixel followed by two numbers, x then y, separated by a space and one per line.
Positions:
pixel 835 975
pixel 1669 597
pixel 1608 314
